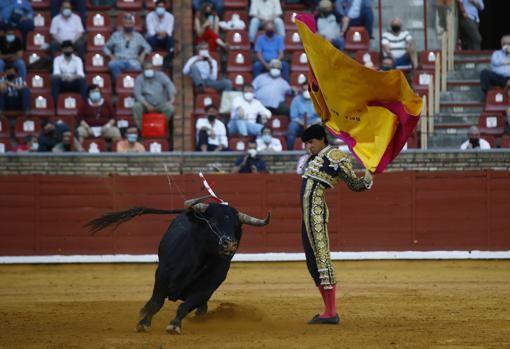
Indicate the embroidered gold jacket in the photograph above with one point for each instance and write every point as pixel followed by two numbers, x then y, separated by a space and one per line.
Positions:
pixel 332 165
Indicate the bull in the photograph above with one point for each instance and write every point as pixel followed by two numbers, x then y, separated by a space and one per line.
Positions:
pixel 194 255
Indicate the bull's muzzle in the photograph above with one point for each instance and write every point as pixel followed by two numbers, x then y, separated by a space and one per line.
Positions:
pixel 229 247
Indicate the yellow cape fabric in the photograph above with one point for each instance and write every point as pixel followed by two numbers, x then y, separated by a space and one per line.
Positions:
pixel 346 87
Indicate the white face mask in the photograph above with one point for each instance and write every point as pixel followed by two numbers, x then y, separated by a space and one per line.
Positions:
pixel 160 11
pixel 149 73
pixel 506 48
pixel 274 72
pixel 204 53
pixel 248 96
pixel 306 94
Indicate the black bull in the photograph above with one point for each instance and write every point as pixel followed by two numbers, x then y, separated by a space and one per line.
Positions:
pixel 194 255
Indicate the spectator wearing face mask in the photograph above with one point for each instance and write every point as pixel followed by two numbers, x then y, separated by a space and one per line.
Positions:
pixel 11 52
pixel 207 27
pixel 65 145
pixel 14 93
pixel 96 117
pixel 250 162
pixel 302 115
pixel 68 75
pixel 245 112
pixel 126 48
pixel 29 144
pixel 67 26
pixel 399 45
pixel 499 72
pixel 17 14
pixel 271 89
pixel 130 144
pixel 469 21
pixel 203 70
pixel 160 26
pixel 266 141
pixel 329 24
pixel 154 92
pixel 387 63
pixel 474 141
pixel 211 132
pixel 269 46
pixel 262 11
pixel 80 6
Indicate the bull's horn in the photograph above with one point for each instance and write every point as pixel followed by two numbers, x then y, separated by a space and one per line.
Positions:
pixel 245 219
pixel 192 202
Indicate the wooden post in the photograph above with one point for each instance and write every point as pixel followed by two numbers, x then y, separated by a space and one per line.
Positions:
pixel 430 107
pixel 437 78
pixel 444 55
pixel 423 125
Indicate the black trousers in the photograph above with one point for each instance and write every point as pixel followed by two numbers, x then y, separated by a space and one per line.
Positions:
pixel 488 78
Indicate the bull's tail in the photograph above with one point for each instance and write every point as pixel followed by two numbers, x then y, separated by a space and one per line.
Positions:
pixel 120 217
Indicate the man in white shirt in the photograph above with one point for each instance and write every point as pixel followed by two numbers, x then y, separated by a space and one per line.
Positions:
pixel 245 111
pixel 271 89
pixel 211 132
pixel 474 141
pixel 160 26
pixel 67 26
pixel 262 11
pixel 203 70
pixel 68 75
pixel 266 141
pixel 399 45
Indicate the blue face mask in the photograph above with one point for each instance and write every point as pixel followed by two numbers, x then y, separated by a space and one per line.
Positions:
pixel 10 37
pixel 267 138
pixel 131 138
pixel 160 11
pixel 66 12
pixel 95 96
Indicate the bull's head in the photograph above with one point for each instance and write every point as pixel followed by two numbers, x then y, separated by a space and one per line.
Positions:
pixel 223 223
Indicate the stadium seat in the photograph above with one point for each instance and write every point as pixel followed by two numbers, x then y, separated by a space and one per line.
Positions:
pixel 427 59
pixel 5 144
pixel 132 5
pixel 235 4
pixel 96 62
pixel 217 57
pixel 298 145
pixel 94 145
pixel 156 145
pixel 283 141
pixel 68 103
pixel 299 62
pixel 96 41
pixel 289 20
pixel 239 79
pixel 496 100
pixel 237 40
pixel 39 82
pixel 243 15
pixel 125 104
pixel 4 127
pixel 421 79
pixel 491 124
pixel 363 57
pixel 151 4
pixel 491 140
pixel 40 4
pixel 293 41
pixel 239 61
pixel 297 78
pixel 102 80
pixel 239 143
pixel 124 121
pixel 31 57
pixel 69 120
pixel 42 105
pixel 203 100
pixel 42 21
pixel 356 39
pixel 37 41
pixel 99 22
pixel 125 83
pixel 26 126
pixel 505 141
pixel 92 7
pixel 157 59
pixel 279 124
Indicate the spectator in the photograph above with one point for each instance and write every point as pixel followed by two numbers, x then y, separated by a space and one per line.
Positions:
pixel 387 63
pixel 14 93
pixel 250 162
pixel 154 92
pixel 79 5
pixel 17 14
pixel 263 11
pixel 203 70
pixel 329 24
pixel 474 141
pixel 269 46
pixel 302 115
pixel 218 5
pixel 207 27
pixel 68 75
pixel 271 89
pixel 499 72
pixel 130 144
pixel 356 13
pixel 160 26
pixel 245 112
pixel 67 27
pixel 96 117
pixel 65 144
pixel 51 135
pixel 399 45
pixel 11 52
pixel 211 132
pixel 126 48
pixel 468 23
pixel 266 141
pixel 29 144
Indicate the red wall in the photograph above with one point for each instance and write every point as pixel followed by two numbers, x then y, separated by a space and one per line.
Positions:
pixel 404 211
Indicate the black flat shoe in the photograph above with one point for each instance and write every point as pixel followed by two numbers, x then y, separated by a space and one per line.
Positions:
pixel 325 321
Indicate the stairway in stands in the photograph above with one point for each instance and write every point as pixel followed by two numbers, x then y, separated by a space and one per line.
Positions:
pixel 462 103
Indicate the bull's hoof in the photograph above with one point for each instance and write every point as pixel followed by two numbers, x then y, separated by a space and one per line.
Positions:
pixel 142 328
pixel 201 310
pixel 173 329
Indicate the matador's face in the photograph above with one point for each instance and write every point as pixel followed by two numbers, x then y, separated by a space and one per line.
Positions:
pixel 315 145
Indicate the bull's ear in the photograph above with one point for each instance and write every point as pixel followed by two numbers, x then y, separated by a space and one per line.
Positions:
pixel 245 219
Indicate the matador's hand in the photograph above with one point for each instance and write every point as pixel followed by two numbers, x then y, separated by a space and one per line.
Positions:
pixel 368 179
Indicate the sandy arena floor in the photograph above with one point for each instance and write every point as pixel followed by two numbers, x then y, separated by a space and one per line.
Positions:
pixel 397 304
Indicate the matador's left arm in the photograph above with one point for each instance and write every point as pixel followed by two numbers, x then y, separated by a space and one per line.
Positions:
pixel 349 177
